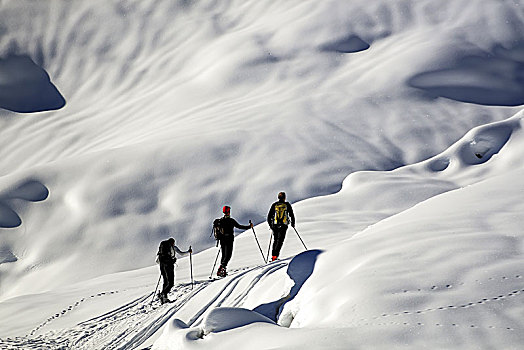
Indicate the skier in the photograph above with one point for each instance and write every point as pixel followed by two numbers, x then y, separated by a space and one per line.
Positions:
pixel 166 258
pixel 223 228
pixel 279 216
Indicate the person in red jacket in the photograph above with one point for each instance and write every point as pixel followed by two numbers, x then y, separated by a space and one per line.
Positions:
pixel 224 232
pixel 279 217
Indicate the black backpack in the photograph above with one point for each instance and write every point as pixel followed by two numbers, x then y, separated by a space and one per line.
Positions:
pixel 218 230
pixel 163 252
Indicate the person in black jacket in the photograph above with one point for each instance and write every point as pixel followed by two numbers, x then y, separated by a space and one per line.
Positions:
pixel 224 232
pixel 166 258
pixel 279 217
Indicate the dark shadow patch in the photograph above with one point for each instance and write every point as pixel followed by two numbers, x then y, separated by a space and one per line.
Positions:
pixel 299 270
pixel 25 87
pixel 349 44
pixel 493 79
pixel 486 143
pixel 30 191
pixel 8 217
pixel 439 164
pixel 7 256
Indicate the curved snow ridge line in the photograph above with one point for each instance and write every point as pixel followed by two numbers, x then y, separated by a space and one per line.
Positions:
pixel 64 311
pixel 484 301
pixel 451 285
pixel 223 294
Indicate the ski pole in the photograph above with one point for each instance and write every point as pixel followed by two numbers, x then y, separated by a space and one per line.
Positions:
pixel 154 293
pixel 256 239
pixel 191 265
pixel 215 264
pixel 269 248
pixel 300 238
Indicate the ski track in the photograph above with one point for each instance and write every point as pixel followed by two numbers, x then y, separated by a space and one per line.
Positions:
pixel 130 325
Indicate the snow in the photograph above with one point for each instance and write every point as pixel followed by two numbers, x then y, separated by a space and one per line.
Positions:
pixel 395 128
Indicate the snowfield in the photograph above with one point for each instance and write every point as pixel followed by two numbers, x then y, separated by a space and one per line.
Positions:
pixel 395 127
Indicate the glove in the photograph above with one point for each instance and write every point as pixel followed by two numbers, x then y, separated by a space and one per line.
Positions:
pixel 293 224
pixel 190 251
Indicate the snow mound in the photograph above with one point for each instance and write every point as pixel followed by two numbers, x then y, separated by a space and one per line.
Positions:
pixel 446 268
pixel 177 335
pixel 481 145
pixel 299 269
pixel 226 318
pixel 25 87
pixel 221 319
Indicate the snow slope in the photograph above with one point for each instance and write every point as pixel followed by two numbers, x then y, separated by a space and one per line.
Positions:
pixel 172 109
pixel 175 108
pixel 445 271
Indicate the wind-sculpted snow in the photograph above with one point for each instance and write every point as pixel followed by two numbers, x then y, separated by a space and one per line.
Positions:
pixel 443 266
pixel 299 270
pixel 447 270
pixel 223 319
pixel 176 108
pixel 488 78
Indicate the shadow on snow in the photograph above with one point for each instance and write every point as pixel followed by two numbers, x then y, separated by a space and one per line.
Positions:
pixel 299 270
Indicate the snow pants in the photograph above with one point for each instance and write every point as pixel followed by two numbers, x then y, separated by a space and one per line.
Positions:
pixel 226 244
pixel 168 276
pixel 279 234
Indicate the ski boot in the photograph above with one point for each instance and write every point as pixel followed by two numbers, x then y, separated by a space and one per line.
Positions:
pixel 160 297
pixel 221 271
pixel 163 298
pixel 274 257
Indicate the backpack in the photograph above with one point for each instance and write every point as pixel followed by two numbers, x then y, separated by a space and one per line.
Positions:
pixel 218 230
pixel 281 214
pixel 163 253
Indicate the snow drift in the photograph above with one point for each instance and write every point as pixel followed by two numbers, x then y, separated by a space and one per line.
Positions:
pixel 445 272
pixel 175 108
